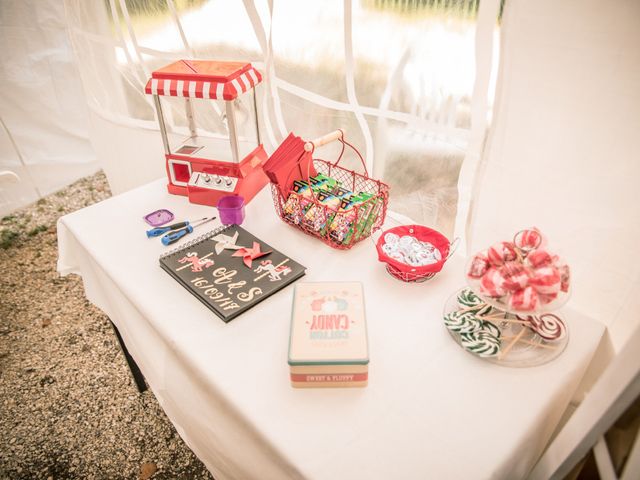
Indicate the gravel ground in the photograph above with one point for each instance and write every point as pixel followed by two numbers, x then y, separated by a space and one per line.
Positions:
pixel 68 405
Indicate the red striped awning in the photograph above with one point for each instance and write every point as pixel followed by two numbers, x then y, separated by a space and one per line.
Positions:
pixel 203 79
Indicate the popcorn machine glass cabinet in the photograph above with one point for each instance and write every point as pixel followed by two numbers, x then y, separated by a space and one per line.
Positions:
pixel 212 148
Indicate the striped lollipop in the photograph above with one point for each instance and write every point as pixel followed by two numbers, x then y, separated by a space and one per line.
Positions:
pixel 462 322
pixel 491 328
pixel 548 326
pixel 482 343
pixel 472 302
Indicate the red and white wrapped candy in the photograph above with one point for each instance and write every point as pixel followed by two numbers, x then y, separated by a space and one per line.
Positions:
pixel 479 265
pixel 544 299
pixel 501 252
pixel 492 283
pixel 528 239
pixel 522 276
pixel 524 300
pixel 565 278
pixel 540 258
pixel 546 280
pixel 515 276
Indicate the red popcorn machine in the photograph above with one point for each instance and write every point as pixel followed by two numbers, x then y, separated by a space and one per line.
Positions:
pixel 226 156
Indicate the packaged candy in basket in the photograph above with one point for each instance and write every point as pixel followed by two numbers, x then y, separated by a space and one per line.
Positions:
pixel 316 216
pixel 299 201
pixel 292 207
pixel 328 205
pixel 342 228
pixel 376 206
pixel 339 225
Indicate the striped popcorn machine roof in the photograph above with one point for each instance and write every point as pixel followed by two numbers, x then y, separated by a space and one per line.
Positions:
pixel 203 79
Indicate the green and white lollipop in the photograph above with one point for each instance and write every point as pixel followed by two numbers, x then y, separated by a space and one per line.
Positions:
pixel 481 343
pixel 462 322
pixel 471 302
pixel 491 328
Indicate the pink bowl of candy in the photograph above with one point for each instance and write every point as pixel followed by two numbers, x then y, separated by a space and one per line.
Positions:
pixel 521 276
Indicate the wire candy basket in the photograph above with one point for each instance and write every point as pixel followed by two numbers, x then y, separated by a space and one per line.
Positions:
pixel 339 226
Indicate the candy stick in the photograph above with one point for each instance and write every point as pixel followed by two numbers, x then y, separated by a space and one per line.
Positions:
pixel 497 316
pixel 480 306
pixel 541 345
pixel 515 340
pixel 500 319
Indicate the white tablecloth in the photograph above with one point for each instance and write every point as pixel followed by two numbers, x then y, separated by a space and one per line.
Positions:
pixel 431 410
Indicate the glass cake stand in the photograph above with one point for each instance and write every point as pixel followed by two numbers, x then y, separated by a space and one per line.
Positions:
pixel 502 337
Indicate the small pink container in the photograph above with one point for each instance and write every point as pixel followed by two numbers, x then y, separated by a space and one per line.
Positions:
pixel 231 209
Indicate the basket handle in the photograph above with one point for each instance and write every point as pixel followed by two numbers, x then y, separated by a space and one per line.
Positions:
pixel 328 138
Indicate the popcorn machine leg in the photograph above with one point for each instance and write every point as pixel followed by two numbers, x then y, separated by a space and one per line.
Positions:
pixel 189 112
pixel 255 111
pixel 163 127
pixel 233 131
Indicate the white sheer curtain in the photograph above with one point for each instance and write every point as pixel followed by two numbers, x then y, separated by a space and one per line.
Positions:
pixel 398 75
pixel 43 114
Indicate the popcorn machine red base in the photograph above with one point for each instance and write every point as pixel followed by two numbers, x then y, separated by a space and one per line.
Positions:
pixel 195 167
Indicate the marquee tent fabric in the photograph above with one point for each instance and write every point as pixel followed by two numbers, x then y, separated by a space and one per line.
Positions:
pixel 557 149
pixel 199 79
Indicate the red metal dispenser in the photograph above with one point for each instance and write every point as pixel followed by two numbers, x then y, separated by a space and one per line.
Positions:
pixel 197 167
